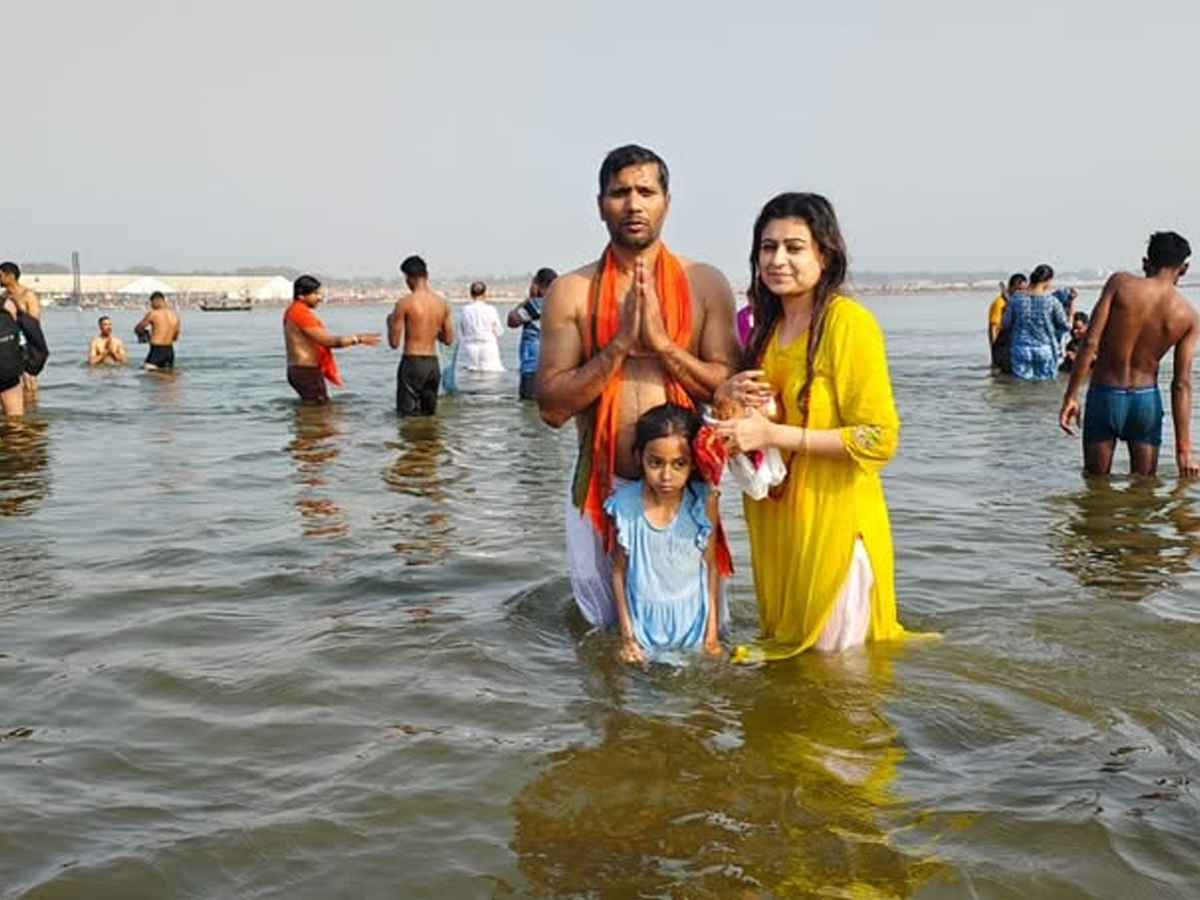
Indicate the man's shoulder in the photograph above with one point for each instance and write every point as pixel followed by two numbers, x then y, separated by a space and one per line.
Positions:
pixel 572 287
pixel 704 277
pixel 577 278
pixel 1122 279
pixel 425 304
pixel 1184 307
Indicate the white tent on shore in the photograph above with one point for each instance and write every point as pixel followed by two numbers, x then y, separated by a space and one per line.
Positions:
pixel 275 288
pixel 146 285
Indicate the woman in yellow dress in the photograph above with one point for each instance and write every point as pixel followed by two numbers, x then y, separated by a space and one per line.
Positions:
pixel 821 544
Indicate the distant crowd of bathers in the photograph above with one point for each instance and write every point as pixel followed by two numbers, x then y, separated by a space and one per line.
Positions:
pixel 670 390
pixel 1028 322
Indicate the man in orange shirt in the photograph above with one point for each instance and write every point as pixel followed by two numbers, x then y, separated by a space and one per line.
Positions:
pixel 309 357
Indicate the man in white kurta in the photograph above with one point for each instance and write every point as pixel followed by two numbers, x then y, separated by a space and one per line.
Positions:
pixel 479 350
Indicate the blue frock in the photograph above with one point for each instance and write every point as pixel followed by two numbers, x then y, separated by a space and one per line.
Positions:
pixel 666 580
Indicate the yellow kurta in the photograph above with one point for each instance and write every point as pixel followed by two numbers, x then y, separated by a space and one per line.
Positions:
pixel 801 544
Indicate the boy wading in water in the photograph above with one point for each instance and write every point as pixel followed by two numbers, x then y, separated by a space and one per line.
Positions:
pixel 1135 322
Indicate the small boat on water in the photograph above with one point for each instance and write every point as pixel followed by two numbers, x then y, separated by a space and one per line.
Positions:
pixel 226 305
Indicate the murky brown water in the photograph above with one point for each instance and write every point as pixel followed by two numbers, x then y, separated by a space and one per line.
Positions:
pixel 251 651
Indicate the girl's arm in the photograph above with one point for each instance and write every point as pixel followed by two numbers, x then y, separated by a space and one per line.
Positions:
pixel 630 651
pixel 712 623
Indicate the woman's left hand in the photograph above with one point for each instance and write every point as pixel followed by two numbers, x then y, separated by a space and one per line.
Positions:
pixel 749 432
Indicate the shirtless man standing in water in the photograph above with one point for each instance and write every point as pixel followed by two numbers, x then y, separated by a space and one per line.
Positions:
pixel 28 303
pixel 106 348
pixel 619 336
pixel 309 344
pixel 420 318
pixel 1135 322
pixel 162 326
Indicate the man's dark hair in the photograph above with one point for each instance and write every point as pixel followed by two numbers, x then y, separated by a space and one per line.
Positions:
pixel 544 277
pixel 632 155
pixel 478 288
pixel 157 295
pixel 1081 316
pixel 11 268
pixel 414 267
pixel 1167 250
pixel 1016 278
pixel 1041 274
pixel 305 285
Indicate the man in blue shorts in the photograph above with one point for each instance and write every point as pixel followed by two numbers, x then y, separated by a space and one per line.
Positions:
pixel 1135 322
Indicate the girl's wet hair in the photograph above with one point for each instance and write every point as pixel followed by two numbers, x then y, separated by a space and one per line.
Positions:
pixel 667 420
pixel 817 213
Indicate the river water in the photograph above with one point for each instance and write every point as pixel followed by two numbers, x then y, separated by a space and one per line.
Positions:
pixel 253 651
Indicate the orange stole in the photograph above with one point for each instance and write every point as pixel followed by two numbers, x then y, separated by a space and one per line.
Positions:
pixel 302 316
pixel 598 438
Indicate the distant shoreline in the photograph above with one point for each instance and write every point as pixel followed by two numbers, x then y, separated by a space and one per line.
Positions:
pixel 457 296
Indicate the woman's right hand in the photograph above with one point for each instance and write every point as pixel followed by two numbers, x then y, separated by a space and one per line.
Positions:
pixel 747 388
pixel 749 433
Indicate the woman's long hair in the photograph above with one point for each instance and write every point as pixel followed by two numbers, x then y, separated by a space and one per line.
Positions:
pixel 817 213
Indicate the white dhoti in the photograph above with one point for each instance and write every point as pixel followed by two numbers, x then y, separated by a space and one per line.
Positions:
pixel 590 565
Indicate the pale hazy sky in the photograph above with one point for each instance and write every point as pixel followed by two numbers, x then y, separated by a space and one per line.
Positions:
pixel 340 137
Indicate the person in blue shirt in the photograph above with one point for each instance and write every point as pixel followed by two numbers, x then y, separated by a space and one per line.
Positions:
pixel 665 575
pixel 1036 320
pixel 527 316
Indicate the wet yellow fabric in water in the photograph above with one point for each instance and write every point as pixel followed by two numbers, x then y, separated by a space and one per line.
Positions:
pixel 802 543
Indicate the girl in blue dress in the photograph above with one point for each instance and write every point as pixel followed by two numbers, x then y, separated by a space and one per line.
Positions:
pixel 665 575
